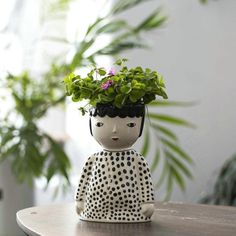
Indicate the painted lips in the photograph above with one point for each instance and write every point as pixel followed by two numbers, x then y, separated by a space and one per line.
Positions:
pixel 115 138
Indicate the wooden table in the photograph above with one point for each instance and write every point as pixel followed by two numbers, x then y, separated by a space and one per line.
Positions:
pixel 169 219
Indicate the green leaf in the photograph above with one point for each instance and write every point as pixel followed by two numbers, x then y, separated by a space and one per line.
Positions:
pixel 175 148
pixel 101 71
pixel 155 161
pixel 171 103
pixel 121 61
pixel 93 26
pixel 10 152
pixel 112 27
pixel 105 99
pixel 110 91
pixel 163 93
pixel 156 19
pixel 135 95
pixel 171 120
pixel 165 171
pixel 122 5
pixel 79 55
pixel 60 158
pixel 161 81
pixel 169 186
pixel 119 100
pixel 117 47
pixel 6 137
pixel 178 164
pixel 83 110
pixel 179 179
pixel 146 143
pixel 126 89
pixel 51 170
pixel 148 97
pixel 167 132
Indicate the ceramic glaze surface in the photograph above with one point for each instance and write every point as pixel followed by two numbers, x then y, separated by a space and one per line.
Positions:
pixel 115 184
pixel 113 187
pixel 116 133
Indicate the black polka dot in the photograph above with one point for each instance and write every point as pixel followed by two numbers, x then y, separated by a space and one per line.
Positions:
pixel 113 189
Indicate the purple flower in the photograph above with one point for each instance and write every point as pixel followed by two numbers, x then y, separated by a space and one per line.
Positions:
pixel 107 84
pixel 111 72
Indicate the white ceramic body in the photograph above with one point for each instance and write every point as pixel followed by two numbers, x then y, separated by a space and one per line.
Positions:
pixel 115 184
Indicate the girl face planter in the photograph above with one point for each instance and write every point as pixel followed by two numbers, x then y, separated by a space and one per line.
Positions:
pixel 115 184
pixel 116 133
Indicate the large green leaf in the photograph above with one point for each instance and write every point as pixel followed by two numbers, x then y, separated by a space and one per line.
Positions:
pixel 178 164
pixel 164 131
pixel 93 27
pixel 175 148
pixel 117 47
pixel 146 143
pixel 164 173
pixel 6 137
pixel 121 5
pixel 112 27
pixel 167 103
pixel 169 185
pixel 11 151
pixel 170 119
pixel 179 179
pixel 156 19
pixel 155 161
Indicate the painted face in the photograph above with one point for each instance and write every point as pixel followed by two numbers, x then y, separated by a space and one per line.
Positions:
pixel 116 133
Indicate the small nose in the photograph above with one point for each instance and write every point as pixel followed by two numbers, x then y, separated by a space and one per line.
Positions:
pixel 114 130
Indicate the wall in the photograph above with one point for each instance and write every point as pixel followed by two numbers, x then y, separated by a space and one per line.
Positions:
pixel 195 52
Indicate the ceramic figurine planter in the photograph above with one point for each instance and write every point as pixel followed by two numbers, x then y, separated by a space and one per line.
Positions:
pixel 115 184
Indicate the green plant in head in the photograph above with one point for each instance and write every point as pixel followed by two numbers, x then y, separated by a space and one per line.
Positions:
pixel 124 87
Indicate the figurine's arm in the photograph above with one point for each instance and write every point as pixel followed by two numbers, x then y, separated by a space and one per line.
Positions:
pixel 83 182
pixel 147 209
pixel 146 185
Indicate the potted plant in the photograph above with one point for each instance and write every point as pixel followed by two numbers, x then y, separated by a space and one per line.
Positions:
pixel 126 87
pixel 115 184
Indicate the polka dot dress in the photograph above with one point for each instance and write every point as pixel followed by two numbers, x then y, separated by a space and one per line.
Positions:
pixel 113 186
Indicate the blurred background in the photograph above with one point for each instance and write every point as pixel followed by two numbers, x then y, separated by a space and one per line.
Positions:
pixel 44 140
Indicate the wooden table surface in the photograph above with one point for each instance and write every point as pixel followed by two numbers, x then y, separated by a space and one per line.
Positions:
pixel 169 219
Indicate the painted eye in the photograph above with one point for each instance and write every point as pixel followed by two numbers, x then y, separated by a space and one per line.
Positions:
pixel 99 124
pixel 131 124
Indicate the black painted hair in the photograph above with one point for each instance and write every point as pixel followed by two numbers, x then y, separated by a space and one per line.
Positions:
pixel 137 110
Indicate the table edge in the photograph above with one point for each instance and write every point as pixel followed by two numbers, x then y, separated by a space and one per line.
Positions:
pixel 26 230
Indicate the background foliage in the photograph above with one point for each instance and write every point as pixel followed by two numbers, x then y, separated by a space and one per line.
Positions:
pixel 34 153
pixel 225 187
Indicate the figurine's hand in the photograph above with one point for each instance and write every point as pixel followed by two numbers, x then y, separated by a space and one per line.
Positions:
pixel 79 206
pixel 147 209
